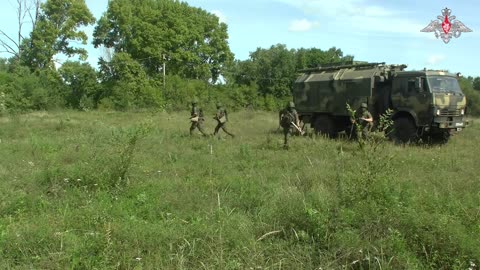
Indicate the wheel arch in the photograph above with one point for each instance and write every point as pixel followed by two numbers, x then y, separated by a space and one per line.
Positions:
pixel 407 114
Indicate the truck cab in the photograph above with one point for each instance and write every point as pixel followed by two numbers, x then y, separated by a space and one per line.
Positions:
pixel 427 104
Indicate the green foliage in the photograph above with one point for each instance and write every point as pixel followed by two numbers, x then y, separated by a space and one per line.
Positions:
pixel 80 80
pixel 24 91
pixel 102 171
pixel 193 44
pixel 127 85
pixel 97 190
pixel 56 27
pixel 313 57
pixel 245 96
pixel 385 122
pixel 476 83
pixel 3 107
pixel 274 69
pixel 473 97
pixel 179 92
pixel 356 127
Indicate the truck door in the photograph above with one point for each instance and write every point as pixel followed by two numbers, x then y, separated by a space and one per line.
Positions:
pixel 410 95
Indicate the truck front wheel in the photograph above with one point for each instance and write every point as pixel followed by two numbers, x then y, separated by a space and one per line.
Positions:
pixel 404 130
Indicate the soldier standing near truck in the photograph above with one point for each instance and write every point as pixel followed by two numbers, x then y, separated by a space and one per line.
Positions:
pixel 287 118
pixel 196 118
pixel 364 120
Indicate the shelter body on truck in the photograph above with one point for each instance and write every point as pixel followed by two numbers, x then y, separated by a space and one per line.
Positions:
pixel 426 104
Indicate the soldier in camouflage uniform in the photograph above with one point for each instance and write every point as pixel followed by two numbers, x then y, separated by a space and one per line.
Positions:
pixel 288 116
pixel 197 119
pixel 222 117
pixel 364 119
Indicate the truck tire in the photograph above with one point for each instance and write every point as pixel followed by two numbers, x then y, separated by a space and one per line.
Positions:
pixel 404 130
pixel 324 126
pixel 440 138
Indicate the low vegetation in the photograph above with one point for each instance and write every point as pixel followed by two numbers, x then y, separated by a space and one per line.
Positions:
pixel 111 190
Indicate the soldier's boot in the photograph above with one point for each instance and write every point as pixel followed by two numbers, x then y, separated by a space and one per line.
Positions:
pixel 215 132
pixel 285 141
pixel 226 131
pixel 203 132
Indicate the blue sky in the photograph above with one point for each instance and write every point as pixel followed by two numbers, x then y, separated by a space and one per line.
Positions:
pixel 370 30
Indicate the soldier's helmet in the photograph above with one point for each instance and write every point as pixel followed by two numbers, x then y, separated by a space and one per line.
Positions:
pixel 194 101
pixel 291 104
pixel 364 105
pixel 219 104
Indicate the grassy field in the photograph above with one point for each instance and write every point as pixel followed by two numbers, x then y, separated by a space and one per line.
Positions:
pixel 111 190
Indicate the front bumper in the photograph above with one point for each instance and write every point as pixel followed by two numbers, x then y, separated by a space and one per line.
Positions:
pixel 450 122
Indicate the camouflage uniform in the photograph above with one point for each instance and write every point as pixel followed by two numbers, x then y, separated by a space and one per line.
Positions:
pixel 286 117
pixel 197 112
pixel 365 126
pixel 222 117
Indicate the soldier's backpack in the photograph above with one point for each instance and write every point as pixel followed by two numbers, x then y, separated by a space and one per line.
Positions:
pixel 286 119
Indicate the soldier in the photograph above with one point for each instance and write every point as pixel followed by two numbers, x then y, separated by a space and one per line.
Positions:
pixel 287 118
pixel 196 118
pixel 364 119
pixel 222 118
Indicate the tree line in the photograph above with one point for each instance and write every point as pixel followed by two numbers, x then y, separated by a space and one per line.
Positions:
pixel 156 54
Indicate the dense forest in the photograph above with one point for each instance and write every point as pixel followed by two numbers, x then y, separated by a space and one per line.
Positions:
pixel 157 54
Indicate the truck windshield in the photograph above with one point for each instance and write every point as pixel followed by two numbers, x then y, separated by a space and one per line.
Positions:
pixel 443 84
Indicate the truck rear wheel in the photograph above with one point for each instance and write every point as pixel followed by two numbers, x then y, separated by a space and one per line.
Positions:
pixel 404 130
pixel 324 126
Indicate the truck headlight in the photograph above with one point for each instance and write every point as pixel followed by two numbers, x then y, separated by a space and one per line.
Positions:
pixel 438 112
pixel 462 112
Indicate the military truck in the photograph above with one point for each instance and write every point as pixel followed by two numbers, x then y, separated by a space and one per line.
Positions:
pixel 426 104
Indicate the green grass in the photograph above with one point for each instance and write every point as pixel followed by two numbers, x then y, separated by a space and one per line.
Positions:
pixel 111 190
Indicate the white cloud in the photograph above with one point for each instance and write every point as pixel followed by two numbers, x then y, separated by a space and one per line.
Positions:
pixel 356 16
pixel 302 25
pixel 435 59
pixel 222 18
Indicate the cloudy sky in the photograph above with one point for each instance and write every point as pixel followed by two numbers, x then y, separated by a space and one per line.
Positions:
pixel 370 30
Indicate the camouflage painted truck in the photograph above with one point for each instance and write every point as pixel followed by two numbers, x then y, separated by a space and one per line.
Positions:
pixel 426 104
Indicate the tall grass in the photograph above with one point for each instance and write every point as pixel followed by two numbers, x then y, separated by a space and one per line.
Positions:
pixel 135 191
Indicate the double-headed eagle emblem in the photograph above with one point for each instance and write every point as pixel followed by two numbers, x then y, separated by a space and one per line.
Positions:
pixel 446 26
